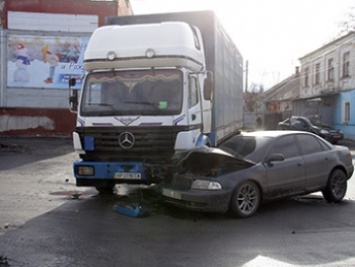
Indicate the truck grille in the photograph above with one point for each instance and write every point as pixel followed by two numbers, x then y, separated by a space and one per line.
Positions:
pixel 152 144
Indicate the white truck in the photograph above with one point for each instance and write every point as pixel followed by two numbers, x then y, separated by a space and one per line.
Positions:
pixel 155 85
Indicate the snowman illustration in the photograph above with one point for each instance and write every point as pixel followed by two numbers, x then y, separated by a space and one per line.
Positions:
pixel 23 61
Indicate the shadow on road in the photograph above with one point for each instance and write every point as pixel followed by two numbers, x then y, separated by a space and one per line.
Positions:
pixel 88 232
pixel 15 152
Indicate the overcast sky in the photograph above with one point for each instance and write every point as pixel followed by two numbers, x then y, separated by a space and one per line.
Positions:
pixel 271 34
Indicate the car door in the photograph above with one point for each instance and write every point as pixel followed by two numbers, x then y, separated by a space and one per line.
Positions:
pixel 317 161
pixel 285 177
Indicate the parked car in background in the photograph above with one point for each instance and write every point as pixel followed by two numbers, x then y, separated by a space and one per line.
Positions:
pixel 311 125
pixel 258 166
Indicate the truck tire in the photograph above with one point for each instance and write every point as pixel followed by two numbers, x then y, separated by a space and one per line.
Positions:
pixel 105 189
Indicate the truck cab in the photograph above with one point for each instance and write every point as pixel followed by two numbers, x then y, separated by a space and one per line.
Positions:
pixel 146 96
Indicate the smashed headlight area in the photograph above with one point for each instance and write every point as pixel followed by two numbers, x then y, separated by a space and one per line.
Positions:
pixel 197 169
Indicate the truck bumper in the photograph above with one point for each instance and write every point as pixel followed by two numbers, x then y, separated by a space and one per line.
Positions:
pixel 95 173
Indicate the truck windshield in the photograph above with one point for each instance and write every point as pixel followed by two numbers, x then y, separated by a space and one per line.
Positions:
pixel 146 92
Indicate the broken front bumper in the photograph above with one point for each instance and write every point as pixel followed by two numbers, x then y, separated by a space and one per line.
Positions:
pixel 198 200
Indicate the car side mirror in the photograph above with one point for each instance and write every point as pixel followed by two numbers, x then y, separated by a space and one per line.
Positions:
pixel 277 157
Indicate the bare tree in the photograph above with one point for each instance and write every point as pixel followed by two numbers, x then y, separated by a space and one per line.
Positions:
pixel 348 24
pixel 251 97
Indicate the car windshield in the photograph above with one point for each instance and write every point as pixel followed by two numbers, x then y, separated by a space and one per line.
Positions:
pixel 247 147
pixel 148 92
pixel 317 122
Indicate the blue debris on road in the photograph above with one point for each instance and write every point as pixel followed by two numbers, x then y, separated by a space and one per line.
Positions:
pixel 132 210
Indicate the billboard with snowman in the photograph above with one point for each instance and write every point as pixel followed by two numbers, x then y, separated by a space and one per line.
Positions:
pixel 45 61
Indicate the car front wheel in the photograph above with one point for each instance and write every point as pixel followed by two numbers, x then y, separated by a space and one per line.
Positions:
pixel 245 200
pixel 336 186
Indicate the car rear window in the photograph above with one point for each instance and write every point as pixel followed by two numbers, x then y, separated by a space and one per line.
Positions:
pixel 311 144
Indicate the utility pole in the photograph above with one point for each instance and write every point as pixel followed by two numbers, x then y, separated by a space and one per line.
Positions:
pixel 246 75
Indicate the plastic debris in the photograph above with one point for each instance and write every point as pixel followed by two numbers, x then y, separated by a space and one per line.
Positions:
pixel 132 210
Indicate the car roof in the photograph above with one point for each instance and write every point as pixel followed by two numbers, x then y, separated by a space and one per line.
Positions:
pixel 273 133
pixel 299 117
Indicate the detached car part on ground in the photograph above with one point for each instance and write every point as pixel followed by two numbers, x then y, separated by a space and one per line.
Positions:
pixel 300 123
pixel 254 167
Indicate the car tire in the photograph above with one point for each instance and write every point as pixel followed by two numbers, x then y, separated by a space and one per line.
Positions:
pixel 336 187
pixel 245 200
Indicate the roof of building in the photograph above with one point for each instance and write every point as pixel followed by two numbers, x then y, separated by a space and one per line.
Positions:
pixel 288 89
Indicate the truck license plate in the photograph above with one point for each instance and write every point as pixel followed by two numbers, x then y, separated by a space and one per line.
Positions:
pixel 171 193
pixel 128 175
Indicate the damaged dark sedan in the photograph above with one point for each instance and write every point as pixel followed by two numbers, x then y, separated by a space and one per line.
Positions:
pixel 254 167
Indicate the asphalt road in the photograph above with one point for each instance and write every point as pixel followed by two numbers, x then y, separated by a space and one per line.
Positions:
pixel 43 222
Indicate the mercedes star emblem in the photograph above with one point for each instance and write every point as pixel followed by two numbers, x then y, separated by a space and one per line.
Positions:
pixel 126 140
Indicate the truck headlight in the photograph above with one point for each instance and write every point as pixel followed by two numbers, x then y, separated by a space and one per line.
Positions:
pixel 85 170
pixel 205 185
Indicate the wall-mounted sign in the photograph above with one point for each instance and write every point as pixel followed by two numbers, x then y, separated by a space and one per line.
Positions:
pixel 44 61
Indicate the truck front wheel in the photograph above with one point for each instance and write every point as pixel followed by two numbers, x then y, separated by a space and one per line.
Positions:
pixel 105 189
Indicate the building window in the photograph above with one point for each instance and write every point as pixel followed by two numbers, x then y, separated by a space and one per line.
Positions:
pixel 317 74
pixel 347 112
pixel 330 70
pixel 346 64
pixel 306 77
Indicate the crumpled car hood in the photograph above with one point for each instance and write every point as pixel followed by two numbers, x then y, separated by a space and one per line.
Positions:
pixel 209 162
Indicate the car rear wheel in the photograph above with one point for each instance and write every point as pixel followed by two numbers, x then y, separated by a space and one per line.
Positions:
pixel 245 200
pixel 336 186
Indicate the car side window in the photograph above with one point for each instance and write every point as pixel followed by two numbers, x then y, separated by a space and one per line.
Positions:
pixel 287 146
pixel 298 124
pixel 309 144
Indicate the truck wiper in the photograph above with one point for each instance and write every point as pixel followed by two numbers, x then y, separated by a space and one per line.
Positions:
pixel 102 105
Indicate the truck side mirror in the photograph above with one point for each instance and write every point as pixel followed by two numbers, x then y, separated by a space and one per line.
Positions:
pixel 72 82
pixel 73 96
pixel 208 86
pixel 73 101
